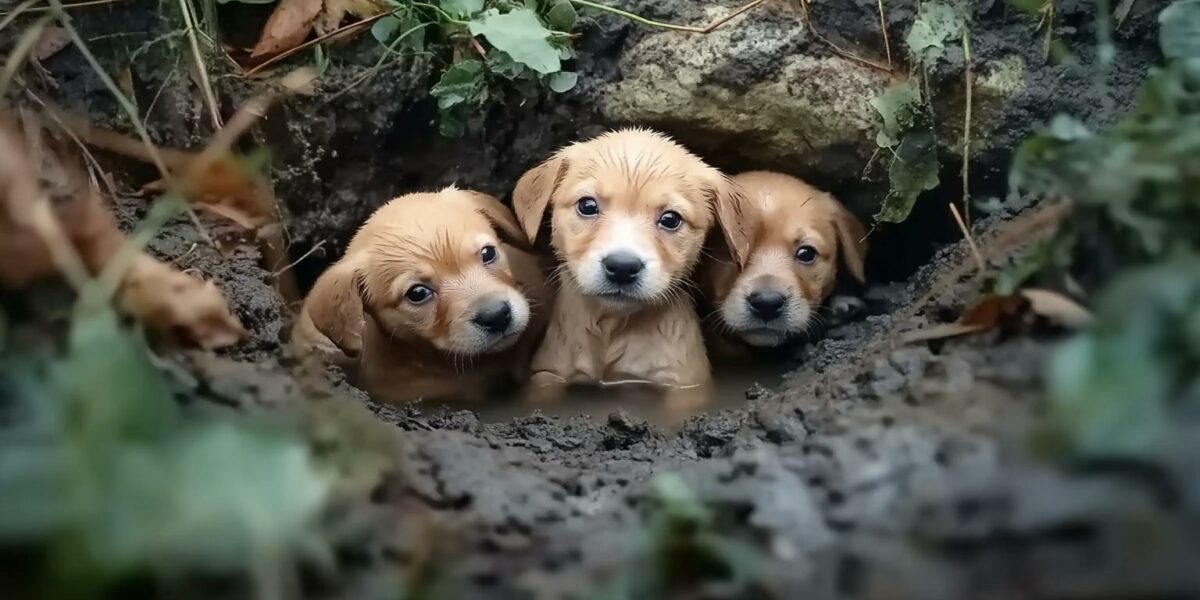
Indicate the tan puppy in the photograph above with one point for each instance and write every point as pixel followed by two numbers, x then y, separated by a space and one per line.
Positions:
pixel 628 214
pixel 428 302
pixel 798 234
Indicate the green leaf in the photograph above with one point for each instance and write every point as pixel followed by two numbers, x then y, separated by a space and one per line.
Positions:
pixel 563 81
pixel 938 22
pixel 460 84
pixel 385 28
pixel 462 8
pixel 522 36
pixel 503 65
pixel 562 16
pixel 914 170
pixel 898 106
pixel 1179 30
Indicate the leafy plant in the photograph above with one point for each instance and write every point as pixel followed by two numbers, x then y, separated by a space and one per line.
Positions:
pixel 101 468
pixel 526 44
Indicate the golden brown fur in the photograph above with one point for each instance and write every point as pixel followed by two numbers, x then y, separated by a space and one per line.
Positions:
pixel 790 222
pixel 605 326
pixel 364 312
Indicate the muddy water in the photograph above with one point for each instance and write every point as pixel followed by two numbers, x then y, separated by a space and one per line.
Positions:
pixel 667 410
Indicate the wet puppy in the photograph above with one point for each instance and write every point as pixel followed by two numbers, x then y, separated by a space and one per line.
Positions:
pixel 428 302
pixel 798 234
pixel 628 213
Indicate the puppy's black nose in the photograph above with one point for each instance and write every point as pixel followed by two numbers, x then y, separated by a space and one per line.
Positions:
pixel 766 305
pixel 494 317
pixel 622 268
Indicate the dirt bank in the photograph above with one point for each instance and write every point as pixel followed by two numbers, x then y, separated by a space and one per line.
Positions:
pixel 876 469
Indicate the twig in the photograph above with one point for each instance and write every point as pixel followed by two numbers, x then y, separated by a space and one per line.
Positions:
pixel 20 52
pixel 887 45
pixel 210 98
pixel 43 9
pixel 970 239
pixel 966 166
pixel 12 15
pixel 292 264
pixel 87 154
pixel 336 32
pixel 834 47
pixel 670 26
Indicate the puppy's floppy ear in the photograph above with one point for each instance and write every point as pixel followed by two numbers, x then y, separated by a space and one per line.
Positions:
pixel 335 305
pixel 852 241
pixel 533 192
pixel 734 217
pixel 501 218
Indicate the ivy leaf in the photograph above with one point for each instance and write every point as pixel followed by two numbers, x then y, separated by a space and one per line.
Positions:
pixel 937 23
pixel 898 106
pixel 1179 30
pixel 914 170
pixel 460 84
pixel 563 81
pixel 385 28
pixel 562 16
pixel 462 8
pixel 522 36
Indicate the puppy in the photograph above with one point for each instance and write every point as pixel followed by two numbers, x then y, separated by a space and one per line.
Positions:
pixel 428 302
pixel 798 234
pixel 628 213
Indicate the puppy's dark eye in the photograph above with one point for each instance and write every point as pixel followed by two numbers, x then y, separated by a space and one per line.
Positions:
pixel 670 220
pixel 587 207
pixel 418 294
pixel 806 254
pixel 488 254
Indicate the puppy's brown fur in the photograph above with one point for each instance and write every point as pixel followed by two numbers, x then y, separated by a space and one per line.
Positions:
pixel 799 232
pixel 361 313
pixel 646 329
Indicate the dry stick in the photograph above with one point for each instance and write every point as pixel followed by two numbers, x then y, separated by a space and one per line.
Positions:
pixel 313 42
pixel 670 26
pixel 12 15
pixel 87 154
pixel 210 98
pixel 834 47
pixel 43 9
pixel 887 45
pixel 966 166
pixel 970 239
pixel 20 52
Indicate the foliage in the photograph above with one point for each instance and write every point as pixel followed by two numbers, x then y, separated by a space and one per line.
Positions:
pixel 939 22
pixel 526 44
pixel 1111 389
pixel 681 546
pixel 100 467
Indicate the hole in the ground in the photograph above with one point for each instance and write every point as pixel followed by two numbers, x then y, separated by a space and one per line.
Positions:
pixel 897 251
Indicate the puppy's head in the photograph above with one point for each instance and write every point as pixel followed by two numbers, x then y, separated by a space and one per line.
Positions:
pixel 628 214
pixel 432 267
pixel 792 265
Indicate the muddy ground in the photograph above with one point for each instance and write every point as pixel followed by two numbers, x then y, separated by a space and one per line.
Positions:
pixel 877 469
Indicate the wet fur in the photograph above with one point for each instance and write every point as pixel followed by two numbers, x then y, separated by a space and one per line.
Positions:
pixel 357 316
pixel 653 334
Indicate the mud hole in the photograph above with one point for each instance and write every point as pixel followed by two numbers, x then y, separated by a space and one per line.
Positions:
pixel 857 467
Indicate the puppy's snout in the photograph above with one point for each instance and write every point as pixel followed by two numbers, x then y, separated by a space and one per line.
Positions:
pixel 494 316
pixel 766 304
pixel 622 267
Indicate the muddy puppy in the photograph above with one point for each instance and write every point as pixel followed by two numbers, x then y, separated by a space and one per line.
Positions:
pixel 798 233
pixel 428 302
pixel 628 213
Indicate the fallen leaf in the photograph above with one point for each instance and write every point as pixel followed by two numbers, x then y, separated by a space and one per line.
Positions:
pixel 52 40
pixel 167 300
pixel 1057 308
pixel 335 12
pixel 287 28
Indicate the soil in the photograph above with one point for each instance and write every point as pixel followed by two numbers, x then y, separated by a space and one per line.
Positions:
pixel 876 469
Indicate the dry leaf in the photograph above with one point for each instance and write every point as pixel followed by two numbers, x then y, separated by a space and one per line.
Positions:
pixel 335 12
pixel 287 28
pixel 1057 308
pixel 51 41
pixel 994 312
pixel 167 300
